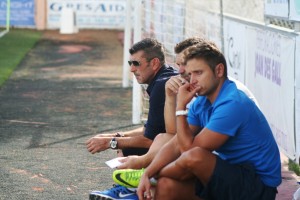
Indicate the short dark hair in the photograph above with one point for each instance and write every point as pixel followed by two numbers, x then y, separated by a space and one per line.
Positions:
pixel 151 47
pixel 187 43
pixel 208 51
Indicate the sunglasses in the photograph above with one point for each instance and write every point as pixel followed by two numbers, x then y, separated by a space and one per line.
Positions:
pixel 134 63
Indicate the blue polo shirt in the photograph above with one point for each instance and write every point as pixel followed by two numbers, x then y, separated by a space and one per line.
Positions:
pixel 251 139
pixel 156 90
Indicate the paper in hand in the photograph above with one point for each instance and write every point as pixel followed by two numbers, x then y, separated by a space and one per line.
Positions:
pixel 114 163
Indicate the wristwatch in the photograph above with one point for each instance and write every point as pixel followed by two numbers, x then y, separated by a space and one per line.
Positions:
pixel 118 134
pixel 181 112
pixel 113 143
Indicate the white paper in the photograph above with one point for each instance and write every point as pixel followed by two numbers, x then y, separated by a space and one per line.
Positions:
pixel 114 163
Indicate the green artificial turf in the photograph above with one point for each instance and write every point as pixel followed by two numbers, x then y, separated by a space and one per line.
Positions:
pixel 14 45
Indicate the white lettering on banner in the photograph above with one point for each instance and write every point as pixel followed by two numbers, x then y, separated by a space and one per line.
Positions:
pixel 279 1
pixel 267 57
pixel 96 8
pixel 17 5
pixel 21 4
pixel 89 13
pixel 281 137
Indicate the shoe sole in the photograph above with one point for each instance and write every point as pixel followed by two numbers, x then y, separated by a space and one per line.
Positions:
pixel 96 197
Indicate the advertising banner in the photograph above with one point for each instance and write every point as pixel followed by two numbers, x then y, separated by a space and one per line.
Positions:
pixel 277 8
pixel 270 62
pixel 234 49
pixel 108 14
pixel 295 10
pixel 21 13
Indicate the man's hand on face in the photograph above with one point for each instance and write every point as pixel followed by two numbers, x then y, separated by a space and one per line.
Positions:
pixel 185 94
pixel 173 84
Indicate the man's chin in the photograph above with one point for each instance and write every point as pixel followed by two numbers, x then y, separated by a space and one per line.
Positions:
pixel 137 79
pixel 199 93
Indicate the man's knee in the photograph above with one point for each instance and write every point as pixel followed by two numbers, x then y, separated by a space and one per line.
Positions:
pixel 194 157
pixel 163 137
pixel 164 186
pixel 159 137
pixel 168 188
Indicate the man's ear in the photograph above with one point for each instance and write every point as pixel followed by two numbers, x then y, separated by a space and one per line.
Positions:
pixel 155 62
pixel 219 70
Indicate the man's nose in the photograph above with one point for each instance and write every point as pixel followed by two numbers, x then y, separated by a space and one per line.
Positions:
pixel 181 69
pixel 192 79
pixel 132 68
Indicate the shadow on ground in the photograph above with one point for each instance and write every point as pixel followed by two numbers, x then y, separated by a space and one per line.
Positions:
pixel 67 89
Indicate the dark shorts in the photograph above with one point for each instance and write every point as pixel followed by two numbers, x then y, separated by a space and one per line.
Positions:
pixel 134 151
pixel 235 182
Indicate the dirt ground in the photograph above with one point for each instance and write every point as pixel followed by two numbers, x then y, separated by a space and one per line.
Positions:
pixel 67 89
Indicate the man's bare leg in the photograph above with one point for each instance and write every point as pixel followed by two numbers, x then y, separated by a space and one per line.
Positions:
pixel 177 180
pixel 138 162
pixel 172 189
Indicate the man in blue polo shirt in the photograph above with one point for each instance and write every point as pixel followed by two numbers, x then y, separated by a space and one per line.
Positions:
pixel 224 147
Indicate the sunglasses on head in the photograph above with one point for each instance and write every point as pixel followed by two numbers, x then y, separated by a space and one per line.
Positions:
pixel 134 63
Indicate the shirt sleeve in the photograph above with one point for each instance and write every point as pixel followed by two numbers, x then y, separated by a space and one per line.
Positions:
pixel 227 118
pixel 193 118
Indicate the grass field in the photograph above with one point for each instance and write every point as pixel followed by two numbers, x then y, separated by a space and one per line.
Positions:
pixel 13 47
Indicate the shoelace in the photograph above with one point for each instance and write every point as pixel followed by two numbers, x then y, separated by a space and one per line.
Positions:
pixel 118 188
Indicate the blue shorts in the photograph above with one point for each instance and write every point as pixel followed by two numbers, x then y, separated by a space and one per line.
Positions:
pixel 134 151
pixel 235 182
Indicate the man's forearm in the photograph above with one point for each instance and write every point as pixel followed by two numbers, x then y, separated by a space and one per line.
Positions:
pixel 169 114
pixel 184 134
pixel 156 146
pixel 135 132
pixel 133 142
pixel 168 153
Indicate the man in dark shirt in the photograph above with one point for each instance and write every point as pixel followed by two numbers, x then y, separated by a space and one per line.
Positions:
pixel 147 63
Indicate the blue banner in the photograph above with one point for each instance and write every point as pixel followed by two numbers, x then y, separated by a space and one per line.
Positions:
pixel 21 13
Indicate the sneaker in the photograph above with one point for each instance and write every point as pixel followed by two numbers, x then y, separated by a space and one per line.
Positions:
pixel 129 178
pixel 115 193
